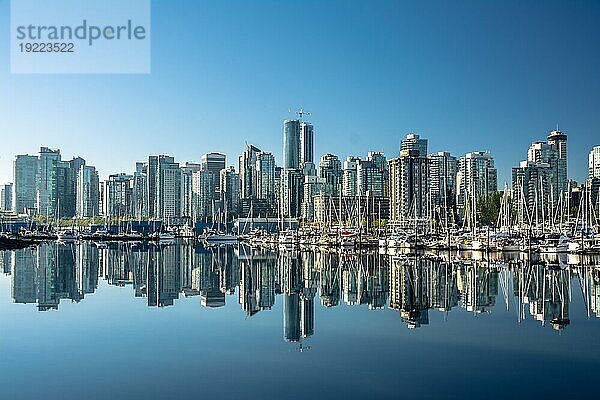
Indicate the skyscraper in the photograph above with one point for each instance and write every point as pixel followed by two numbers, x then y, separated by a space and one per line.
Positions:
pixel 442 179
pixel 291 192
pixel 306 143
pixel 214 162
pixel 372 175
pixel 558 139
pixel 118 190
pixel 230 190
pixel 247 167
pixel 168 188
pixel 88 192
pixel 203 183
pixel 330 169
pixel 349 176
pixel 409 180
pixel 476 177
pixel 414 142
pixel 25 173
pixel 6 197
pixel 594 163
pixel 594 178
pixel 46 190
pixel 140 191
pixel 265 182
pixel 291 143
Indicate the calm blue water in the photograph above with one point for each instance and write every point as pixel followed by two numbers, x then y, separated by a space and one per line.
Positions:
pixel 83 321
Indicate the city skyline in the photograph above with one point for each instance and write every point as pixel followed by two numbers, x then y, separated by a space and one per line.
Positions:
pixel 464 91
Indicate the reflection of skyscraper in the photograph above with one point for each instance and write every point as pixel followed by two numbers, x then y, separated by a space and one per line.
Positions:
pixel 409 290
pixel 23 275
pixel 479 287
pixel 257 280
pixel 298 298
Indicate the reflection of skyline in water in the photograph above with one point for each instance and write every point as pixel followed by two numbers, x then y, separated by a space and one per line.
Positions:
pixel 411 285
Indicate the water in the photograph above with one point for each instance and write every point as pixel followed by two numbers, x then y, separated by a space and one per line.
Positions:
pixel 145 322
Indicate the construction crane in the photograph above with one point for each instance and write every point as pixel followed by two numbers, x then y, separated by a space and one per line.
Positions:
pixel 300 112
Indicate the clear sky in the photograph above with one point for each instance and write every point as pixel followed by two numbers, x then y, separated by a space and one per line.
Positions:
pixel 470 75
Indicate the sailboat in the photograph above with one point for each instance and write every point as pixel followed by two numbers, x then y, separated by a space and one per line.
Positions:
pixel 221 236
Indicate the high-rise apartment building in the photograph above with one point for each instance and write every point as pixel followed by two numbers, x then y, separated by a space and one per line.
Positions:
pixel 265 182
pixel 476 178
pixel 203 183
pixel 88 192
pixel 6 194
pixel 118 190
pixel 330 169
pixel 214 162
pixel 46 188
pixel 442 179
pixel 139 201
pixel 349 176
pixel 168 189
pixel 291 197
pixel 372 175
pixel 25 174
pixel 414 142
pixel 594 163
pixel 291 143
pixel 409 180
pixel 230 191
pixel 307 139
pixel 558 139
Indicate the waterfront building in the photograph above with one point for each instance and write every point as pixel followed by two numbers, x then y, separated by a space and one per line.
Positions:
pixel 151 176
pixel 349 176
pixel 140 191
pixel 476 178
pixel 202 195
pixel 291 195
pixel 594 177
pixel 265 184
pixel 442 179
pixel 409 180
pixel 313 185
pixel 88 192
pixel 413 142
pixel 330 169
pixel 6 195
pixel 306 143
pixel 118 190
pixel 46 189
pixel 558 140
pixel 247 168
pixel 25 173
pixel 541 180
pixel 594 163
pixel 230 190
pixel 372 175
pixel 214 162
pixel 168 189
pixel 291 143
pixel 187 209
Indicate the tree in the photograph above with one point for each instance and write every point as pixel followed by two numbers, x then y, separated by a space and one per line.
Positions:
pixel 488 208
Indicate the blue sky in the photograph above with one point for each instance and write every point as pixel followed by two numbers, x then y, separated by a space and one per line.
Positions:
pixel 471 75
